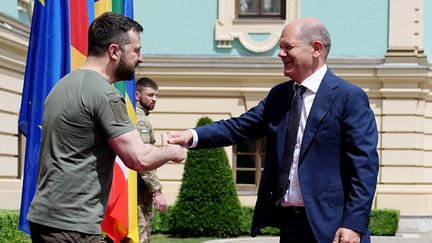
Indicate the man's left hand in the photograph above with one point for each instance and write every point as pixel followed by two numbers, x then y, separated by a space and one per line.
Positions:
pixel 344 235
pixel 160 202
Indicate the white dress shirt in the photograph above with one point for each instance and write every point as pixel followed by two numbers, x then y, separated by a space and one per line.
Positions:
pixel 293 196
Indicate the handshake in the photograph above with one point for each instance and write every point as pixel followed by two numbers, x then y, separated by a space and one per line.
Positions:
pixel 175 142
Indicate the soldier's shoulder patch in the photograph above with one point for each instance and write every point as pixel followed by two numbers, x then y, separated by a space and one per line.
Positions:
pixel 118 106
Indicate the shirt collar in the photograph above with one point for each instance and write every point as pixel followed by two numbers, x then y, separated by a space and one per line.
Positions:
pixel 313 82
pixel 138 105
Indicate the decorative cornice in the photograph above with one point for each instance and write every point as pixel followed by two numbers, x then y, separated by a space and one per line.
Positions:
pixel 404 189
pixel 14 25
pixel 13 43
pixel 240 75
pixel 220 66
pixel 228 27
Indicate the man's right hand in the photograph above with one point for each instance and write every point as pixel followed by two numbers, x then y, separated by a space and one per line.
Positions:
pixel 177 153
pixel 184 138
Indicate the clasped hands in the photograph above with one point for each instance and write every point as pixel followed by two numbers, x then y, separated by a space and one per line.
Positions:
pixel 183 138
pixel 176 141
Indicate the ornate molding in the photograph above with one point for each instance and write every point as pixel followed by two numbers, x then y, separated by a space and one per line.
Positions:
pixel 405 37
pixel 227 28
pixel 246 75
pixel 13 43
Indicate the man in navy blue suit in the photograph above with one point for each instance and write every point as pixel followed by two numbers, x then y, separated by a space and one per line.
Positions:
pixel 333 162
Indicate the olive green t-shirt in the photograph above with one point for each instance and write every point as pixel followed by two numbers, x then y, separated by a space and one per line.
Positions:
pixel 76 163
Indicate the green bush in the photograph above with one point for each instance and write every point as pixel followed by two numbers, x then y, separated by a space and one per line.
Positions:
pixel 208 204
pixel 246 220
pixel 162 222
pixel 247 223
pixel 384 222
pixel 9 231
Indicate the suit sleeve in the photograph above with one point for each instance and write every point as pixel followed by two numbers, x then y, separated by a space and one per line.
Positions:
pixel 359 159
pixel 248 126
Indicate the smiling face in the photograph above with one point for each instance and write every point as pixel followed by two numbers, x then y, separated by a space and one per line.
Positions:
pixel 295 54
pixel 301 57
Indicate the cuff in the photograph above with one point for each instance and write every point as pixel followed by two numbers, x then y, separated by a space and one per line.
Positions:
pixel 194 139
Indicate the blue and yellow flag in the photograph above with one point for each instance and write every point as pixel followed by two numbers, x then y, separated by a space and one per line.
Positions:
pixel 58 44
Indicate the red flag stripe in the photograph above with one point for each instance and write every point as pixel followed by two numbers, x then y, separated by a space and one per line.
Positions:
pixel 79 25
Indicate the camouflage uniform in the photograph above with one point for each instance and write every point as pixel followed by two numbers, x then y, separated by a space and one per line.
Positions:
pixel 148 182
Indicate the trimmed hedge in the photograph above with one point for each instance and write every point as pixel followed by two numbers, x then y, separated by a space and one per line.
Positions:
pixel 384 222
pixel 9 231
pixel 161 223
pixel 208 204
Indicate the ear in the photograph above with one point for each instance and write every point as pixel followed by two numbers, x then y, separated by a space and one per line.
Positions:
pixel 318 48
pixel 137 95
pixel 114 51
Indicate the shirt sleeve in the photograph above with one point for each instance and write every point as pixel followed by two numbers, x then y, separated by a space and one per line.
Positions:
pixel 112 114
pixel 194 138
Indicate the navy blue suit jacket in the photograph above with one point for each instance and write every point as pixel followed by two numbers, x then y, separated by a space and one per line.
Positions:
pixel 338 164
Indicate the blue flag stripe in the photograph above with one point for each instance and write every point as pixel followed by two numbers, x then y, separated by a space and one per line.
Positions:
pixel 48 60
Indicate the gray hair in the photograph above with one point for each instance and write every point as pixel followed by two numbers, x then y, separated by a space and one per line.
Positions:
pixel 310 32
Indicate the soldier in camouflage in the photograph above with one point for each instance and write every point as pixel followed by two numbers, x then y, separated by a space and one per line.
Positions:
pixel 149 186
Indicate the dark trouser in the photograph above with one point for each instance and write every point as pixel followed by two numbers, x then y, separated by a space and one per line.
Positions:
pixel 295 226
pixel 44 234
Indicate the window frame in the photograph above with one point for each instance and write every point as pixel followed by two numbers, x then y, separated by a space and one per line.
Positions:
pixel 260 15
pixel 259 155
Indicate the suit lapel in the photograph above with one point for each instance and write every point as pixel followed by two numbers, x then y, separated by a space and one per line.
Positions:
pixel 323 100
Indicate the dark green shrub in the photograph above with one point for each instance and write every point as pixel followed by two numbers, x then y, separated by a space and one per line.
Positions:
pixel 9 231
pixel 162 222
pixel 246 220
pixel 247 223
pixel 207 204
pixel 384 222
pixel 270 231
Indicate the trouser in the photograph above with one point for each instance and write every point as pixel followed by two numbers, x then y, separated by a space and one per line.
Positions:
pixel 45 234
pixel 295 227
pixel 145 216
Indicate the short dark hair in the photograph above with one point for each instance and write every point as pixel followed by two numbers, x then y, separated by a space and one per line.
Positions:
pixel 110 28
pixel 146 82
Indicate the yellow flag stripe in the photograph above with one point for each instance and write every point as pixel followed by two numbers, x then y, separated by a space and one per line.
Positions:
pixel 132 184
pixel 102 6
pixel 77 57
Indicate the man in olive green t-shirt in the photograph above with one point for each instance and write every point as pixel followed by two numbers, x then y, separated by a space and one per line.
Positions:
pixel 85 125
pixel 83 158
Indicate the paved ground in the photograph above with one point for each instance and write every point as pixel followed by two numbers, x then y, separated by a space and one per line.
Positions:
pixel 400 238
pixel 408 232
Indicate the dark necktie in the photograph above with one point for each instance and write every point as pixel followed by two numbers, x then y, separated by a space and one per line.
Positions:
pixel 290 142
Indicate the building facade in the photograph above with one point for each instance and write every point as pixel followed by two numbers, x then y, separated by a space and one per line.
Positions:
pixel 219 59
